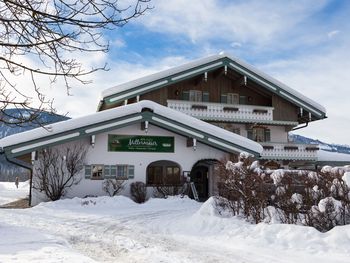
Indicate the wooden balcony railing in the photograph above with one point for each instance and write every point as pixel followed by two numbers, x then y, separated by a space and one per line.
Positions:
pixel 221 111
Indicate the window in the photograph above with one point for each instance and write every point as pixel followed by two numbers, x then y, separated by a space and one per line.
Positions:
pixel 125 171
pixel 163 173
pixel 243 100
pixel 154 175
pixel 230 98
pixel 195 95
pixel 100 171
pixel 97 172
pixel 259 134
pixel 172 175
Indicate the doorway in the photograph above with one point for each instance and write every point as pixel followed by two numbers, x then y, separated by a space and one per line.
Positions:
pixel 199 176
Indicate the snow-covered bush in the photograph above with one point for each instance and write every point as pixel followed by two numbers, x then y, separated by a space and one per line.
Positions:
pixel 138 191
pixel 242 190
pixel 319 199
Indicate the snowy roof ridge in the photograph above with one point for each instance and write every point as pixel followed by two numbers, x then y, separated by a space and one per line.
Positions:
pixel 161 74
pixel 195 63
pixel 100 117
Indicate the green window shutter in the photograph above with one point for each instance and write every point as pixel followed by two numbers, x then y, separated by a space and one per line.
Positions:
pixel 107 171
pixel 87 171
pixel 223 98
pixel 250 134
pixel 186 95
pixel 131 172
pixel 205 97
pixel 267 135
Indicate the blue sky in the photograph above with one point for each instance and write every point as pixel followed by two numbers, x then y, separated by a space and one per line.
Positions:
pixel 304 44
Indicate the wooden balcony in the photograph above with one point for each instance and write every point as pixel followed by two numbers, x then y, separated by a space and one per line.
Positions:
pixel 222 112
pixel 289 151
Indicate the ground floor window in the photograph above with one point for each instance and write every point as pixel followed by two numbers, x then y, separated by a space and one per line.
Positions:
pixel 97 172
pixel 103 171
pixel 163 173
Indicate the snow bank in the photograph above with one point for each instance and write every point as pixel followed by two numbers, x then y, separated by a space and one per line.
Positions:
pixel 25 244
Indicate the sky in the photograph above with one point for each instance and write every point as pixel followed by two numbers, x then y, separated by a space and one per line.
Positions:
pixel 305 44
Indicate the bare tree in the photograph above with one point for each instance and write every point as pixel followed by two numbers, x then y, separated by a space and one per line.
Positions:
pixel 58 169
pixel 113 186
pixel 48 33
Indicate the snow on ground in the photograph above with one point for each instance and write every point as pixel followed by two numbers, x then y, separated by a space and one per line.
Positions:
pixel 9 192
pixel 172 230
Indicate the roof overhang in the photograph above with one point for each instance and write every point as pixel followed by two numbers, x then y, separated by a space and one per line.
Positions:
pixel 183 125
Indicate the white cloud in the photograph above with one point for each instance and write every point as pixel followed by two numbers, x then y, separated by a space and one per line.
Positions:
pixel 324 78
pixel 333 33
pixel 243 21
pixel 118 43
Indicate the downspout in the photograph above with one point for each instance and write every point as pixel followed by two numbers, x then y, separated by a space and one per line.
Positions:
pixel 300 127
pixel 25 166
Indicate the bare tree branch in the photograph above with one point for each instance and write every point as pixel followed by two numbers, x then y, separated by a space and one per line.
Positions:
pixel 48 33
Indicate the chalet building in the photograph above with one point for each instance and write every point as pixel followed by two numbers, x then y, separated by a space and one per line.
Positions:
pixel 227 92
pixel 176 125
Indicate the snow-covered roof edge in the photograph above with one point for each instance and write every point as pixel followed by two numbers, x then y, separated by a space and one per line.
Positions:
pixel 175 70
pixel 100 117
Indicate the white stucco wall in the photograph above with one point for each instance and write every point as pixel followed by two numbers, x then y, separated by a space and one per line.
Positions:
pixel 185 156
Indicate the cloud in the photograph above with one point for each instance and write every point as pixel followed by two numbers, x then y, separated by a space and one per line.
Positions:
pixel 118 43
pixel 243 21
pixel 323 78
pixel 333 33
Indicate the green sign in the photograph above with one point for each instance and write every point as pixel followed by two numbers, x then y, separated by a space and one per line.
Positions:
pixel 139 143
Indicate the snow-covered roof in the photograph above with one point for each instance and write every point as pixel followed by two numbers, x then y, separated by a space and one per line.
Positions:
pixel 285 91
pixel 100 118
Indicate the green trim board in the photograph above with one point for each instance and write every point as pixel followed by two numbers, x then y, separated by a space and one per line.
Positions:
pixel 195 71
pixel 79 133
pixel 199 135
pixel 140 143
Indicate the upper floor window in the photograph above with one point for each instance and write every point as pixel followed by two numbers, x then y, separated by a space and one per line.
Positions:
pixel 195 95
pixel 243 100
pixel 259 134
pixel 230 98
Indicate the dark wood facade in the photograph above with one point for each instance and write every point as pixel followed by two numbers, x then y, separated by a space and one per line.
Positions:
pixel 216 85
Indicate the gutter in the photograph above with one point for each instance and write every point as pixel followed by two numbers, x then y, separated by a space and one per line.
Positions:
pixel 300 127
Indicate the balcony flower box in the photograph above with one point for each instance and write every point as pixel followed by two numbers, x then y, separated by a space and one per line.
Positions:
pixel 199 107
pixel 291 148
pixel 268 147
pixel 260 111
pixel 230 109
pixel 312 148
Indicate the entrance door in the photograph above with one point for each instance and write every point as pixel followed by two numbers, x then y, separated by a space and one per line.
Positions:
pixel 199 176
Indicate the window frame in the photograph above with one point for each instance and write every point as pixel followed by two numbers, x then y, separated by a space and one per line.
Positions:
pixel 102 177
